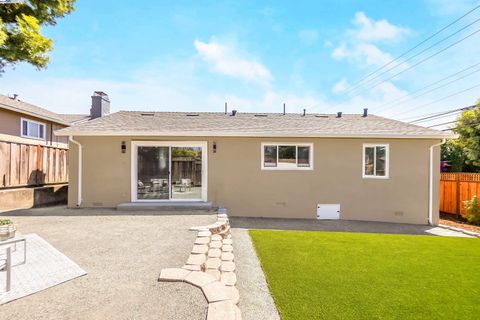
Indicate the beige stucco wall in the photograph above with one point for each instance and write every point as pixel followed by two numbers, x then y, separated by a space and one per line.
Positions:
pixel 10 125
pixel 236 181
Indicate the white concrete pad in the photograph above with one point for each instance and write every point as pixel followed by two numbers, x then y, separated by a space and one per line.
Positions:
pixel 45 267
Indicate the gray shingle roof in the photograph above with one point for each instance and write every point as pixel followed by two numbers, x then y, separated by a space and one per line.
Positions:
pixel 73 118
pixel 131 123
pixel 30 109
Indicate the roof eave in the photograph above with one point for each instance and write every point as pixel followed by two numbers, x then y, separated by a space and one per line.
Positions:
pixel 66 132
pixel 33 114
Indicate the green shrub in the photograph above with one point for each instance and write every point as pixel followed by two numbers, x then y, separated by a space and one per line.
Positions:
pixel 5 222
pixel 473 210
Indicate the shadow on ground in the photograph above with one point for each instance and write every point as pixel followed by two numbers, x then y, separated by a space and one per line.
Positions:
pixel 329 225
pixel 63 211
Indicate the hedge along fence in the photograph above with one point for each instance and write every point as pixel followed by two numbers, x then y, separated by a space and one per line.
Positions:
pixel 455 188
pixel 31 165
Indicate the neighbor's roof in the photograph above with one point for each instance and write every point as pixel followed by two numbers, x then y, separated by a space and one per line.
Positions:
pixel 137 123
pixel 30 109
pixel 75 118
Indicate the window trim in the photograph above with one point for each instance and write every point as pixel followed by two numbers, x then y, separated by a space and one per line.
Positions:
pixel 387 161
pixel 33 121
pixel 277 144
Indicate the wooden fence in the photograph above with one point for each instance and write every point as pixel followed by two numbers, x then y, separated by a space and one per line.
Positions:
pixel 31 165
pixel 455 188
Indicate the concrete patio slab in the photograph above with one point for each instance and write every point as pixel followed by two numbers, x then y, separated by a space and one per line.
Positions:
pixel 223 310
pixel 173 274
pixel 199 279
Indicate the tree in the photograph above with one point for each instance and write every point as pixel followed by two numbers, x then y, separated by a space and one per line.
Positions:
pixel 21 39
pixel 454 155
pixel 468 129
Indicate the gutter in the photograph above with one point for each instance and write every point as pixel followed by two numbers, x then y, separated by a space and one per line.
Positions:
pixel 80 170
pixel 430 183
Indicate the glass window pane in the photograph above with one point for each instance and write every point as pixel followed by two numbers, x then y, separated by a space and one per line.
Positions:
pixel 41 134
pixel 186 172
pixel 270 156
pixel 25 128
pixel 369 158
pixel 33 129
pixel 287 156
pixel 380 159
pixel 153 173
pixel 303 156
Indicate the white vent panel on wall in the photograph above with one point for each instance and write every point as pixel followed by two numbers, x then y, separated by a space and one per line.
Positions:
pixel 328 211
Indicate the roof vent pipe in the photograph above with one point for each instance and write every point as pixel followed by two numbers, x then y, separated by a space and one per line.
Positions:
pixel 339 114
pixel 234 112
pixel 365 112
pixel 283 108
pixel 226 110
pixel 304 112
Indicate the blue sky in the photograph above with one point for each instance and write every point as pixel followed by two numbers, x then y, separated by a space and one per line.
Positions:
pixel 195 55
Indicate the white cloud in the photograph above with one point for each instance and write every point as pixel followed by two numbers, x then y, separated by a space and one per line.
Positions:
pixel 308 36
pixel 363 54
pixel 359 45
pixel 226 60
pixel 340 86
pixel 372 55
pixel 371 30
pixel 340 52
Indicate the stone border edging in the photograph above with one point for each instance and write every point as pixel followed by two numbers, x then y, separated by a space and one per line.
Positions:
pixel 211 268
pixel 467 232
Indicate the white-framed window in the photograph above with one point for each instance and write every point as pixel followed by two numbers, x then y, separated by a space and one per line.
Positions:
pixel 32 129
pixel 287 156
pixel 375 162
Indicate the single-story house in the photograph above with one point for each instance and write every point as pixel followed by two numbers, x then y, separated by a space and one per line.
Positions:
pixel 347 166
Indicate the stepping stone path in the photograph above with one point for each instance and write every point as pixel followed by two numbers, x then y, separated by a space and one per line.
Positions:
pixel 211 268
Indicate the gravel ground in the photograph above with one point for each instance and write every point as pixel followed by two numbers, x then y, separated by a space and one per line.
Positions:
pixel 255 299
pixel 123 255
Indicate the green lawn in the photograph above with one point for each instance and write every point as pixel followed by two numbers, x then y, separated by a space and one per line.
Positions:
pixel 323 275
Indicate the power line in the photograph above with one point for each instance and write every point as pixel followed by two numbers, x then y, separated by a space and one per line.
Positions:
pixel 469 125
pixel 413 48
pixel 442 124
pixel 431 90
pixel 420 62
pixel 442 114
pixel 423 51
pixel 438 100
pixel 381 107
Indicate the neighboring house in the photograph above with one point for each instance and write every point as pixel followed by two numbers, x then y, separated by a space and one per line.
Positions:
pixel 310 166
pixel 24 122
pixel 31 155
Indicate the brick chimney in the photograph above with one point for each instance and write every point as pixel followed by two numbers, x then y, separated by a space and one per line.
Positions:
pixel 100 105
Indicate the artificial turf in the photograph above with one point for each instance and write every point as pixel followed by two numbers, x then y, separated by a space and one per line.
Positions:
pixel 329 275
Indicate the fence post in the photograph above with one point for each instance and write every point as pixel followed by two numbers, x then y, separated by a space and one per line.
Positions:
pixel 457 194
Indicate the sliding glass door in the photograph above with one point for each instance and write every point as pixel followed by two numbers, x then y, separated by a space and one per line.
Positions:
pixel 168 171
pixel 153 172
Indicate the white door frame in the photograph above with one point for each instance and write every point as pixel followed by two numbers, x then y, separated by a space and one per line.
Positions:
pixel 134 171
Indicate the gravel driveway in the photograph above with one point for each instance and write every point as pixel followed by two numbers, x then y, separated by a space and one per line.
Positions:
pixel 123 255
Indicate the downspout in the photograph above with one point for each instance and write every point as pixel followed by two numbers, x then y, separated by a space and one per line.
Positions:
pixel 430 184
pixel 80 169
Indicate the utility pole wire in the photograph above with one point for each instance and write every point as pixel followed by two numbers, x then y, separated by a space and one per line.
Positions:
pixel 423 51
pixel 431 90
pixel 427 86
pixel 416 46
pixel 420 62
pixel 441 114
pixel 441 99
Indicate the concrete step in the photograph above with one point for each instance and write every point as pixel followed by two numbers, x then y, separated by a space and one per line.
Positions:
pixel 163 206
